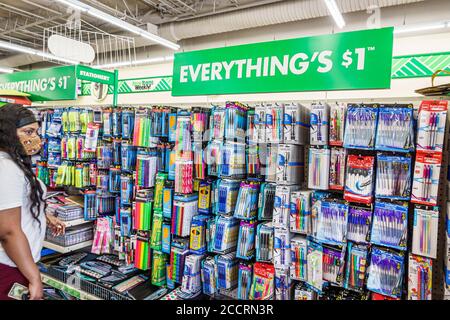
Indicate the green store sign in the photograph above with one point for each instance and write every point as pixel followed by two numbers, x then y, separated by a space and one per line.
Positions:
pixel 135 85
pixel 343 61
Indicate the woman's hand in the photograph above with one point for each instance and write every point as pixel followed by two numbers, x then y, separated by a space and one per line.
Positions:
pixel 35 290
pixel 56 226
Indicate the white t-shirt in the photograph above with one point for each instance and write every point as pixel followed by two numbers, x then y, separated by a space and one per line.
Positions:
pixel 14 192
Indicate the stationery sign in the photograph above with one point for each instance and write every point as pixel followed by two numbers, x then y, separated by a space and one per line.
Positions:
pixel 95 75
pixel 43 84
pixel 343 61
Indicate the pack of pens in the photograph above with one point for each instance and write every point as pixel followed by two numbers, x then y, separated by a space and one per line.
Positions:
pixel 235 121
pixel 264 242
pixel 128 157
pixel 263 282
pixel 334 264
pixel 160 122
pixel 300 212
pixel 393 177
pixel 260 123
pixel 212 157
pixel 332 222
pixel 226 234
pixel 156 232
pixel 271 162
pixel 359 180
pixel 337 168
pixel 337 123
pixel 178 253
pixel 420 280
pixel 208 276
pixel 356 266
pixel 282 247
pixel 247 201
pixel 104 156
pixel 386 272
pixel 197 240
pixel 426 176
pixel 425 232
pixel 304 293
pixel 90 205
pixel 126 189
pixel 284 286
pixel 431 125
pixel 184 170
pixel 253 161
pixel 281 205
pixel 227 193
pixel 146 168
pixel 199 161
pixel 395 131
pixel 319 123
pixel 232 160
pixel 142 129
pixel 319 168
pixel 200 124
pixel 359 223
pixel 360 126
pixel 191 281
pixel 245 275
pixel 246 240
pixel 227 271
pixel 274 122
pixel 295 123
pixel 251 132
pixel 314 258
pixel 290 169
pixel 266 201
pixel 217 123
pixel 298 265
pixel 184 209
pixel 183 142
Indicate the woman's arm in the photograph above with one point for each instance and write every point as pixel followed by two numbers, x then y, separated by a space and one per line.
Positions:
pixel 16 246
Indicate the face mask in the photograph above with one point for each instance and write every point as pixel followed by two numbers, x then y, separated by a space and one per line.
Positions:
pixel 32 145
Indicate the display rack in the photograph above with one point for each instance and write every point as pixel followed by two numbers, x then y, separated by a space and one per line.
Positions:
pixel 62 249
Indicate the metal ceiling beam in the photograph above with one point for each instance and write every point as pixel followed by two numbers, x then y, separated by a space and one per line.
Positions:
pixel 42 7
pixel 30 25
pixel 20 11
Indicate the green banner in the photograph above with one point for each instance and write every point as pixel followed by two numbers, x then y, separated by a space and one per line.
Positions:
pixel 420 65
pixel 135 85
pixel 43 84
pixel 343 61
pixel 95 75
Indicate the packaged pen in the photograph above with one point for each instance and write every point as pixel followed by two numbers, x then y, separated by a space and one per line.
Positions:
pixel 420 280
pixel 386 272
pixel 166 238
pixel 227 271
pixel 425 232
pixel 264 242
pixel 298 267
pixel 191 282
pixel 184 209
pixel 395 130
pixel 393 177
pixel 235 121
pixel 200 123
pixel 158 273
pixel 128 157
pixel 116 120
pixel 226 234
pixel 107 123
pixel 300 212
pixel 126 189
pixel 290 164
pixel 295 122
pixel 232 160
pixel 315 266
pixel 281 206
pixel 204 197
pixel 337 168
pixel 282 247
pixel 332 222
pixel 246 241
pixel 208 276
pixel 426 176
pixel 156 233
pixel 360 126
pixel 337 122
pixel 252 133
pixel 217 123
pixel 356 266
pixel 359 179
pixel 304 293
pixel 92 133
pixel 319 116
pixel 333 264
pixel 431 125
pixel 319 168
pixel 266 201
pixel 263 282
pixel 283 283
pixel 127 123
pixel 260 123
pixel 359 223
pixel 247 201
pixel 212 155
pixel 244 281
pixel 172 119
pixel 274 122
pixel 254 167
pixel 227 193
pixel 271 162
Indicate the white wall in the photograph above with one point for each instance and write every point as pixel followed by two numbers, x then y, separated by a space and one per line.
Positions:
pixel 402 90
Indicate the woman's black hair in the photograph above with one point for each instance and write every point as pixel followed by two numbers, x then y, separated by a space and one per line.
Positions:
pixel 10 116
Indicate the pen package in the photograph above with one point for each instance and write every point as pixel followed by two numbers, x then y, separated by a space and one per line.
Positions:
pixel 92 133
pixel 304 293
pixel 426 176
pixel 172 164
pixel 235 121
pixel 390 225
pixel 266 201
pixel 337 122
pixel 263 282
pixel 252 133
pixel 283 283
pixel 295 123
pixel 197 243
pixel 204 197
pixel 191 282
pixel 86 117
pixel 420 278
pixel 166 239
pixel 281 205
pixel 156 233
pixel 199 160
pixel 300 212
pixel 142 215
pixel 359 179
pixel 431 125
pixel 114 180
pixel 271 162
pixel 395 130
pixel 126 190
pixel 142 130
pixel 210 234
pixel 212 155
pixel 247 201
pixel 127 123
pixel 360 126
pixel 227 193
pixel 158 273
pixel 260 123
pixel 184 209
pixel 282 247
pixel 226 234
pixel 357 262
pixel 359 223
pixel 217 123
pixel 316 207
pixel 128 157
pixel 245 276
pixel 334 264
pixel 386 272
pixel 116 123
pixel 332 222
pixel 319 170
pixel 246 241
pixel 315 266
pixel 264 242
pixel 167 199
pixel 200 123
pixel 393 177
pixel 274 122
pixel 208 276
pixel 232 160
pixel 172 119
pixel 291 164
pixel 425 232
pixel 183 143
pixel 254 168
pixel 90 200
pixel 337 168
pixel 319 121
pixel 227 271
pixel 298 269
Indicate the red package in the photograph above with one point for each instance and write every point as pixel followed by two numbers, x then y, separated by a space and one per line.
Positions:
pixel 359 179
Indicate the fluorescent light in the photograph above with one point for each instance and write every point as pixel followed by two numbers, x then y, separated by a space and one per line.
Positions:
pixel 6 70
pixel 334 11
pixel 119 23
pixel 416 28
pixel 136 62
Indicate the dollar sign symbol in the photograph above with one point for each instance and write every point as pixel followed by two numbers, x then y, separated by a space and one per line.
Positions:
pixel 347 57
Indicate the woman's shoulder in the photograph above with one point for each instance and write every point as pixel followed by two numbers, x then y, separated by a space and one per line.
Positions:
pixel 9 168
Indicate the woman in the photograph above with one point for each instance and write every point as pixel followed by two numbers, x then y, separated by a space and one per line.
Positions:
pixel 22 205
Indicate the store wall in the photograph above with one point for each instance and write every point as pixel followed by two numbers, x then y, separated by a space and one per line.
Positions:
pixel 401 89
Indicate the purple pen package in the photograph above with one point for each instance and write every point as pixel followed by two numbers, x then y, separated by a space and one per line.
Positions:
pixel 420 270
pixel 390 224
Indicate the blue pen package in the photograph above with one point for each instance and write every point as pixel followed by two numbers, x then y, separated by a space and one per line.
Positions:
pixel 266 201
pixel 332 222
pixel 213 154
pixel 393 179
pixel 395 130
pixel 264 242
pixel 208 275
pixel 232 160
pixel 116 121
pixel 359 223
pixel 114 180
pixel 166 238
pixel 128 157
pixel 227 271
pixel 333 264
pixel 107 123
pixel 227 193
pixel 127 124
pixel 246 241
pixel 125 223
pixel 319 120
pixel 283 283
pixel 274 122
pixel 235 121
pixel 260 123
pixel 386 272
pixel 226 234
pixel 244 281
pixel 172 120
pixel 126 190
pixel 356 266
pixel 390 225
pixel 197 242
pixel 282 247
pixel 360 126
pixel 167 201
pixel 210 234
pixel 90 199
pixel 247 201
pixel 117 153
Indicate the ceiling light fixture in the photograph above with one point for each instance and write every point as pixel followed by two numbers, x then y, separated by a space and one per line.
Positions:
pixel 335 12
pixel 422 27
pixel 78 5
pixel 6 70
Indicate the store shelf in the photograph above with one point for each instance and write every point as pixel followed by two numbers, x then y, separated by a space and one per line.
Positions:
pixel 71 290
pixel 76 222
pixel 62 249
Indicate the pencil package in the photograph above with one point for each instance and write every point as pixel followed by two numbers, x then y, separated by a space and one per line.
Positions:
pixel 298 268
pixel 426 176
pixel 232 160
pixel 337 168
pixel 167 200
pixel 225 234
pixel 281 205
pixel 156 233
pixel 166 239
pixel 227 193
pixel 161 179
pixel 359 179
pixel 395 130
pixel 244 281
pixel 290 164
pixel 431 125
pixel 184 209
pixel 319 168
pixel 420 271
pixel 200 124
pixel 235 121
pixel 425 232
pixel 263 282
pixel 172 119
pixel 246 241
pixel 264 242
pixel 300 212
pixel 295 124
pixel 197 243
pixel 274 122
pixel 356 267
pixel 360 126
pixel 158 273
pixel 319 122
pixel 393 177
pixel 337 122
pixel 204 197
